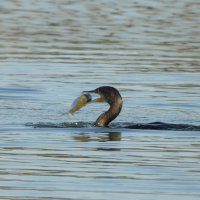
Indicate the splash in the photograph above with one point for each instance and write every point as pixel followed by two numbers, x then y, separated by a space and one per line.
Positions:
pixel 142 126
pixel 59 125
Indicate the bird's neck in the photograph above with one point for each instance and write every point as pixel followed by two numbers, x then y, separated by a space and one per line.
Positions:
pixel 105 118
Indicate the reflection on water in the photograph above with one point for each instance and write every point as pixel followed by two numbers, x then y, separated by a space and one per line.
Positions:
pixel 112 136
pixel 50 51
pixel 81 164
pixel 115 136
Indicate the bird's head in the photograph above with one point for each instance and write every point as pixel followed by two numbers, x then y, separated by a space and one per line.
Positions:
pixel 107 94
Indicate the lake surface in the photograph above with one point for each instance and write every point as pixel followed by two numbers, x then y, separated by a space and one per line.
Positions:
pixel 51 51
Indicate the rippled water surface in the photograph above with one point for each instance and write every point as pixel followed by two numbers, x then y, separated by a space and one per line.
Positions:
pixel 50 51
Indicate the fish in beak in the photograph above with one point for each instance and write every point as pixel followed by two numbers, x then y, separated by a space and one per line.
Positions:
pixel 84 99
pixel 80 102
pixel 97 100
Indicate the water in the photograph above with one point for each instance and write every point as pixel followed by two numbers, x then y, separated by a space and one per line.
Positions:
pixel 51 51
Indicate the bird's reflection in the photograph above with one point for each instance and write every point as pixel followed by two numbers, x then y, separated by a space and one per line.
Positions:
pixel 82 137
pixel 86 137
pixel 114 136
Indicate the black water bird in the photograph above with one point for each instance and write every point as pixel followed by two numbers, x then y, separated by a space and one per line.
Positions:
pixel 112 96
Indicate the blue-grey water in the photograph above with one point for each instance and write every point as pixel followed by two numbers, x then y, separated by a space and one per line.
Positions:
pixel 50 51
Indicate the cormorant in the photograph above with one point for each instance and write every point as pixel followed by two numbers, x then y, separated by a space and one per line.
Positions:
pixel 112 96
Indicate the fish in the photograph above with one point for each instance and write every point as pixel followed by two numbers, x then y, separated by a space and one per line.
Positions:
pixel 80 102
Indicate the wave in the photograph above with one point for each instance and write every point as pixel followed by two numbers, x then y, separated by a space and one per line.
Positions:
pixel 143 126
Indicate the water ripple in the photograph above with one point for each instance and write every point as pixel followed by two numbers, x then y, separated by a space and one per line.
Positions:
pixel 143 126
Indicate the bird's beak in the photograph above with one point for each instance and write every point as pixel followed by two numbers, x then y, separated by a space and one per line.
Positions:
pixel 91 91
pixel 100 99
